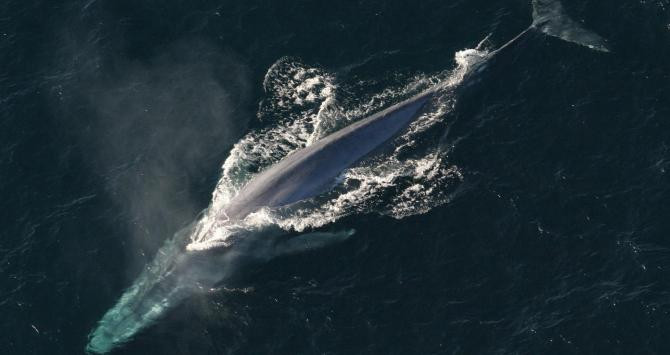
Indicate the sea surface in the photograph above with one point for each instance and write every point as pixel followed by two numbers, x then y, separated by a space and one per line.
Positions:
pixel 527 212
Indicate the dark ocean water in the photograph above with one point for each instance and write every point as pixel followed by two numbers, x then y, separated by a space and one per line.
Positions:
pixel 115 118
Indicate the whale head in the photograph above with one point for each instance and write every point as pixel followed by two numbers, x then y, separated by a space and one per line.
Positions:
pixel 177 273
pixel 174 275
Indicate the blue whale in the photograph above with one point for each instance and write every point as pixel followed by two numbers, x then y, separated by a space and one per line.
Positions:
pixel 176 272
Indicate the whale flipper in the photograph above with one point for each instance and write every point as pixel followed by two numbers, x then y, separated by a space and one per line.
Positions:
pixel 311 241
pixel 550 17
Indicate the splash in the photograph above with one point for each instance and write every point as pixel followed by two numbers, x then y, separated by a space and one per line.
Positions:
pixel 302 103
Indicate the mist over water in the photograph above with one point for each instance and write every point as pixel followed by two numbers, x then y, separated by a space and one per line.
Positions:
pixel 525 213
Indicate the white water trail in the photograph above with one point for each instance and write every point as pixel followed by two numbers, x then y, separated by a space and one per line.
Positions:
pixel 302 103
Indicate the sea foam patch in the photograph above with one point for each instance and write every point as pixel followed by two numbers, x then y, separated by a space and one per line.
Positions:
pixel 302 105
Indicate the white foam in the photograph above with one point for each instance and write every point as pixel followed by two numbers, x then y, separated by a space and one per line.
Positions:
pixel 302 105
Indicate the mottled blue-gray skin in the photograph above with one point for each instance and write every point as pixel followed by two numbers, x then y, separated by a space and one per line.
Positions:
pixel 309 171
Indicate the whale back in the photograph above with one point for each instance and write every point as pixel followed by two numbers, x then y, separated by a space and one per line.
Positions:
pixel 309 171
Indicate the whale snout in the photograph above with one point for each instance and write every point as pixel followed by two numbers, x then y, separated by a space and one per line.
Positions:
pixel 174 275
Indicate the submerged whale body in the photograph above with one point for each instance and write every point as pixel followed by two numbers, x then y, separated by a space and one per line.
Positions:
pixel 177 272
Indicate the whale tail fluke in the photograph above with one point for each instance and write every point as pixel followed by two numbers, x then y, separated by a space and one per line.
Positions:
pixel 550 17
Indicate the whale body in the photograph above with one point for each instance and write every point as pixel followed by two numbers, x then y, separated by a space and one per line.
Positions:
pixel 309 171
pixel 176 272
